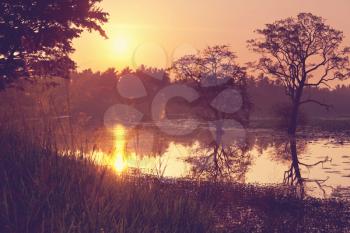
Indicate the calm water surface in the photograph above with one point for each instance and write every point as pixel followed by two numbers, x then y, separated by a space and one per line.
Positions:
pixel 263 158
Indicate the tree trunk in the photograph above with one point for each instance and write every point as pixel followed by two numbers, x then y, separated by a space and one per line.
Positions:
pixel 293 122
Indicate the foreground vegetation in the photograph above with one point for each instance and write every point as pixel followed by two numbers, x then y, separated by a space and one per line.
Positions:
pixel 44 191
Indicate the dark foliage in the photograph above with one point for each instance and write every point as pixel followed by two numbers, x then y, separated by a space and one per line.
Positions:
pixel 301 52
pixel 36 36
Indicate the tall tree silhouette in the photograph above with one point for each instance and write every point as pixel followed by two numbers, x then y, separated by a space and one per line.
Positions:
pixel 211 71
pixel 36 35
pixel 301 52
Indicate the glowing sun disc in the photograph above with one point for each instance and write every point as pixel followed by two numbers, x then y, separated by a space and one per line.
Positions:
pixel 121 45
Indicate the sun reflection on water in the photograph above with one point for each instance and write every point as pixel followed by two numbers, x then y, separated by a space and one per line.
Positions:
pixel 119 160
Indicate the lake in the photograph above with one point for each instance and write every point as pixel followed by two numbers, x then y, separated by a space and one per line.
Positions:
pixel 259 157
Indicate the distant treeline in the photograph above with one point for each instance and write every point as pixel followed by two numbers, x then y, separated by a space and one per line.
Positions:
pixel 268 97
pixel 90 94
pixel 93 91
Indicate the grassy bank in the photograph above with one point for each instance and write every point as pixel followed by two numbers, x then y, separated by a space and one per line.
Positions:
pixel 42 191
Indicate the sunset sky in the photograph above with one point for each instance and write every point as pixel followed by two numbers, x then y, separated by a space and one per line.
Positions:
pixel 154 32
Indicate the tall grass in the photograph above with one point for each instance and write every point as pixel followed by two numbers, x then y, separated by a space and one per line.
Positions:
pixel 43 191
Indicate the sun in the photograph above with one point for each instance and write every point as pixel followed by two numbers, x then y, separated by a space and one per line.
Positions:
pixel 121 45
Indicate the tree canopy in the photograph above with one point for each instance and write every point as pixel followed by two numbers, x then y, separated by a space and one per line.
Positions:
pixel 213 66
pixel 211 71
pixel 302 52
pixel 36 36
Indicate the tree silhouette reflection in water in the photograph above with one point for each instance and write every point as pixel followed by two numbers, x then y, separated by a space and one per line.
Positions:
pixel 293 176
pixel 265 158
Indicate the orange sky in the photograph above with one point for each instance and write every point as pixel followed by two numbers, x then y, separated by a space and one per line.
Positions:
pixel 155 31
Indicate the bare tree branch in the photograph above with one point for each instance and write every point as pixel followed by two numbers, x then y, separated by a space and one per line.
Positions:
pixel 327 106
